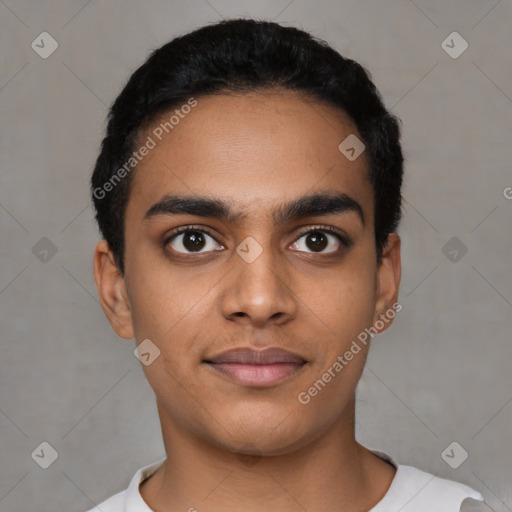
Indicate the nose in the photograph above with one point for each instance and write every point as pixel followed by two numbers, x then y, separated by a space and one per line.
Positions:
pixel 259 293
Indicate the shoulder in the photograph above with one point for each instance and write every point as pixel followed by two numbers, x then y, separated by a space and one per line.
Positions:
pixel 414 490
pixel 471 505
pixel 435 483
pixel 130 499
pixel 113 504
pixel 422 491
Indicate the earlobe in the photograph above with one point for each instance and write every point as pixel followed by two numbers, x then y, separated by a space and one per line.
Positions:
pixel 389 274
pixel 112 291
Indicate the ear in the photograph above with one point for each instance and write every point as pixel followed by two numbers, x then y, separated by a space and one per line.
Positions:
pixel 112 291
pixel 389 273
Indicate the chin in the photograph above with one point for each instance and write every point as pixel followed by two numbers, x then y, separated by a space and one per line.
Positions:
pixel 265 430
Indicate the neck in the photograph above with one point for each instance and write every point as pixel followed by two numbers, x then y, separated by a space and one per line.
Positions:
pixel 331 470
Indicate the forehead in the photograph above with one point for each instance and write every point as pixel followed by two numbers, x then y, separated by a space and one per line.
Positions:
pixel 257 149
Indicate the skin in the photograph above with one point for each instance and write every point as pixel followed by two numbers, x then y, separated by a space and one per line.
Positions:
pixel 233 447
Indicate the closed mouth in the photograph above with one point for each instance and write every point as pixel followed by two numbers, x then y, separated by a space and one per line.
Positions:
pixel 257 368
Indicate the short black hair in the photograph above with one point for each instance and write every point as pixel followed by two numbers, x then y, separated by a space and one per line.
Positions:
pixel 241 55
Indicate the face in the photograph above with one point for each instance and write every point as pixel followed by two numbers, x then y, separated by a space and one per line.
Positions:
pixel 226 248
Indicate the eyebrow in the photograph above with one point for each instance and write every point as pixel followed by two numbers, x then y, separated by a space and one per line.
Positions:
pixel 305 206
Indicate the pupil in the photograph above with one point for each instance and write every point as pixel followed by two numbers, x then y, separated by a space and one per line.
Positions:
pixel 318 241
pixel 193 240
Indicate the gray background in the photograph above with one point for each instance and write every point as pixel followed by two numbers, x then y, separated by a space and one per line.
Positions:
pixel 441 373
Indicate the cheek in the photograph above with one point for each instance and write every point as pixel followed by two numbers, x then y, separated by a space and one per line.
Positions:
pixel 346 307
pixel 155 305
pixel 167 303
pixel 344 304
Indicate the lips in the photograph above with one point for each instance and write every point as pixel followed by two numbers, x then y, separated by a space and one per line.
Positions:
pixel 256 368
pixel 257 357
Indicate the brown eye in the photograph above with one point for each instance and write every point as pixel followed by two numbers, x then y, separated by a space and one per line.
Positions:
pixel 193 241
pixel 318 240
pixel 189 241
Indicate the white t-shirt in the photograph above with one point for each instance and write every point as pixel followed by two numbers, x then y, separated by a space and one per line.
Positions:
pixel 411 490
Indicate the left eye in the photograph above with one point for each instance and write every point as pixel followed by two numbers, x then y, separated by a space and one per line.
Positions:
pixel 317 241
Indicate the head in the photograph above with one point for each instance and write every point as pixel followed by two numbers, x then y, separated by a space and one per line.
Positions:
pixel 233 218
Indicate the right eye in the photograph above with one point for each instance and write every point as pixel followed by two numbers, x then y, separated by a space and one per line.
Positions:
pixel 193 240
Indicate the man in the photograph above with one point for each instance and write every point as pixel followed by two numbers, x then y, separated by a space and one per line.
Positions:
pixel 248 191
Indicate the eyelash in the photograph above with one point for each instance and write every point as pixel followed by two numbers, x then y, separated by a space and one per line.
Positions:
pixel 343 239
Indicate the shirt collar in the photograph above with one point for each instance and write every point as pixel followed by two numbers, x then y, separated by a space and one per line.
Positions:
pixel 133 499
pixel 135 503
